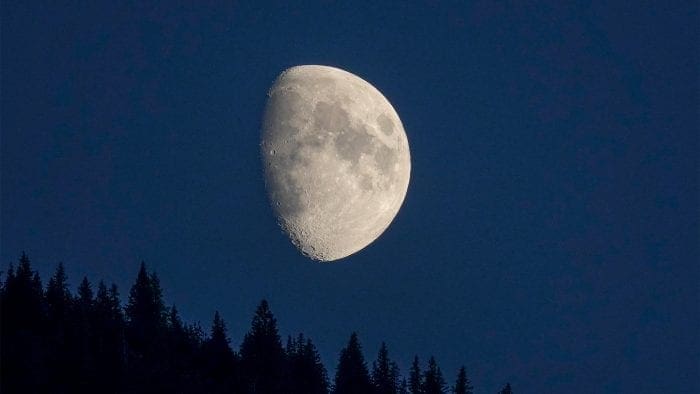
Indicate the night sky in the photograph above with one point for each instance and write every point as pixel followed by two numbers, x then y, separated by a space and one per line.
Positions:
pixel 550 233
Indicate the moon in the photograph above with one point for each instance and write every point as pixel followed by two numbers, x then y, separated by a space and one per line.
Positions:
pixel 336 160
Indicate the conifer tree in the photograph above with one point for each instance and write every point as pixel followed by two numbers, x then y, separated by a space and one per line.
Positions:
pixel 262 355
pixel 108 331
pixel 58 325
pixel 351 376
pixel 318 377
pixel 85 294
pixel 83 319
pixel 174 321
pixel 220 362
pixel 192 357
pixel 463 385
pixel 385 373
pixel 145 312
pixel 58 298
pixel 433 382
pixel 403 387
pixel 22 356
pixel 507 389
pixel 146 335
pixel 415 379
pixel 305 372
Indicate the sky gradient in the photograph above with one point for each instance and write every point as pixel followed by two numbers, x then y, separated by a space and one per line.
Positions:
pixel 549 236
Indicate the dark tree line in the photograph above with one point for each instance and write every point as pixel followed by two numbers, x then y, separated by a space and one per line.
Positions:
pixel 54 341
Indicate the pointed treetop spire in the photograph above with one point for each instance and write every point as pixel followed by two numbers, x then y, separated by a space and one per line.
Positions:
pixel 85 294
pixel 463 385
pixel 415 379
pixel 351 375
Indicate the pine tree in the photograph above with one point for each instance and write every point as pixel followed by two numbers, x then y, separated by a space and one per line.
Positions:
pixel 433 382
pixel 175 322
pixel 83 319
pixel 60 352
pixel 22 355
pixel 403 387
pixel 463 385
pixel 58 298
pixel 262 355
pixel 415 379
pixel 385 373
pixel 507 389
pixel 318 377
pixel 351 376
pixel 220 361
pixel 305 372
pixel 108 331
pixel 145 313
pixel 85 294
pixel 146 334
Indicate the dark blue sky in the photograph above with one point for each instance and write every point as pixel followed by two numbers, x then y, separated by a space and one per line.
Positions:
pixel 550 233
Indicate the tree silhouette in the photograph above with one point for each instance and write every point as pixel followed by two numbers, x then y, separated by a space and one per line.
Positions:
pixel 262 355
pixel 145 333
pixel 182 350
pixel 60 353
pixel 57 342
pixel 415 379
pixel 145 313
pixel 22 355
pixel 433 382
pixel 403 387
pixel 351 376
pixel 58 299
pixel 385 373
pixel 108 334
pixel 83 320
pixel 507 389
pixel 305 372
pixel 220 362
pixel 463 385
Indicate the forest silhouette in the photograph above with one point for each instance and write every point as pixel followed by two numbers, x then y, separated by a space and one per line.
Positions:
pixel 54 341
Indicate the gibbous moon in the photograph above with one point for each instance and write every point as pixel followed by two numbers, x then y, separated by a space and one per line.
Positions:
pixel 336 160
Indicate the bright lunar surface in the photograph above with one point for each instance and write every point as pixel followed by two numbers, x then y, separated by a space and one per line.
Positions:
pixel 336 160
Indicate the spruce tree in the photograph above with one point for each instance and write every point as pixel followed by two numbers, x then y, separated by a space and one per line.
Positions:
pixel 146 334
pixel 463 385
pixel 262 355
pixel 83 319
pixel 22 326
pixel 58 325
pixel 384 373
pixel 58 299
pixel 305 372
pixel 145 313
pixel 403 387
pixel 108 331
pixel 433 382
pixel 219 360
pixel 175 322
pixel 415 379
pixel 317 378
pixel 85 294
pixel 351 376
